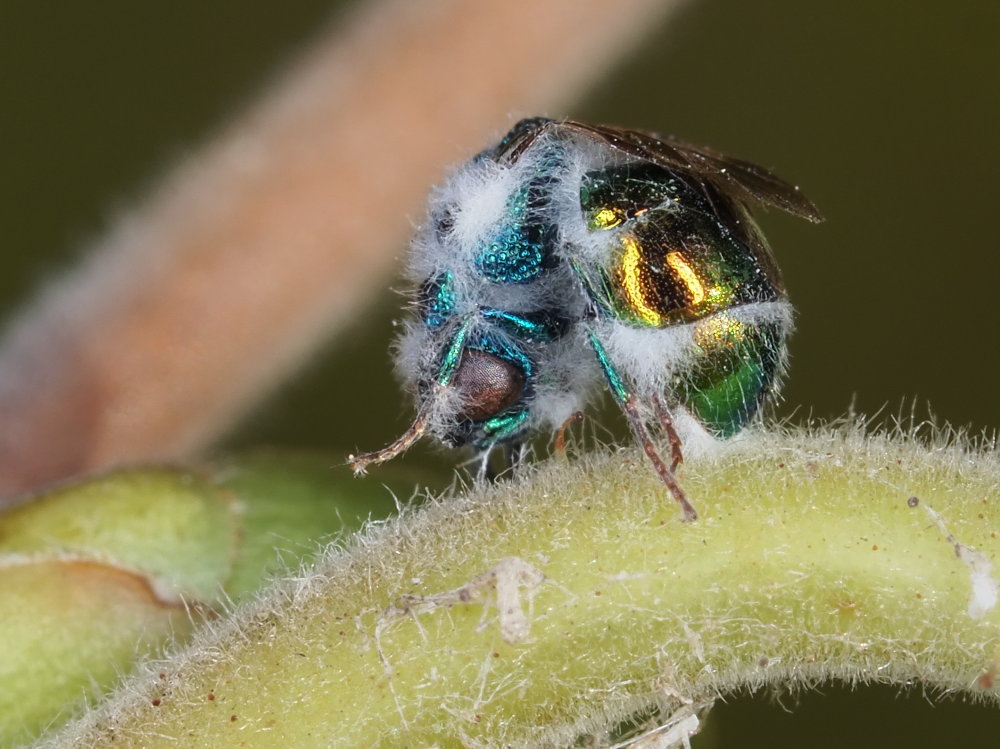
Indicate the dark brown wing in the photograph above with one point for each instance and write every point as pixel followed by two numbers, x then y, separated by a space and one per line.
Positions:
pixel 741 179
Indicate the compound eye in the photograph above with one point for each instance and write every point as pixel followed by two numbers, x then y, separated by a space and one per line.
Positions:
pixel 488 384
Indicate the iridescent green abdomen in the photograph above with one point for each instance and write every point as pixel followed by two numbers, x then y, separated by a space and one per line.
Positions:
pixel 734 366
pixel 674 260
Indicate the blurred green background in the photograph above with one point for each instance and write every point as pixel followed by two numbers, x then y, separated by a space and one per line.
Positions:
pixel 885 113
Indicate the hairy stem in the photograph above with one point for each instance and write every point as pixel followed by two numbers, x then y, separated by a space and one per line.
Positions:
pixel 557 606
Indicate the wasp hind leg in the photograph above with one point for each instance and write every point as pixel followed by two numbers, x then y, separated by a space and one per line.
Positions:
pixel 630 406
pixel 667 425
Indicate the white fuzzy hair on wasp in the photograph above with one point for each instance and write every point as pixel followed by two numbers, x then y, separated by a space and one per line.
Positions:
pixel 570 254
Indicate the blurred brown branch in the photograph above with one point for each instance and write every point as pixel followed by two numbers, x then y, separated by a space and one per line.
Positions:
pixel 249 253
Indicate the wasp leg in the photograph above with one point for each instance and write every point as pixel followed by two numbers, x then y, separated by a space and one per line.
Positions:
pixel 629 404
pixel 446 373
pixel 667 425
pixel 359 463
pixel 560 442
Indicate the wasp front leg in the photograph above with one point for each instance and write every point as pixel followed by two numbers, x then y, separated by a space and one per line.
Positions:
pixel 627 401
pixel 443 378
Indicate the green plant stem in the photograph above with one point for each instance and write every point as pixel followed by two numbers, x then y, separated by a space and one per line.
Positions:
pixel 543 610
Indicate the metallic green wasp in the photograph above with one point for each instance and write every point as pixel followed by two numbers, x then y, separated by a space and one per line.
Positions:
pixel 570 254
